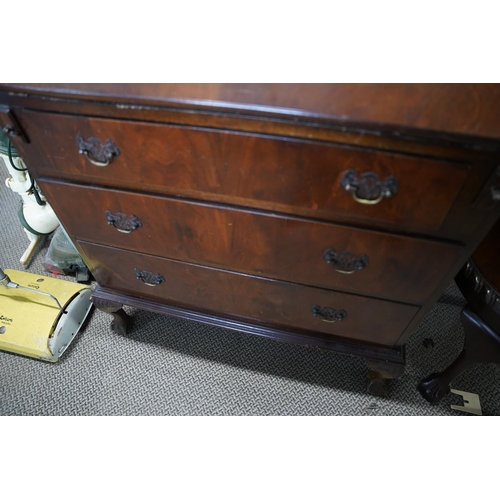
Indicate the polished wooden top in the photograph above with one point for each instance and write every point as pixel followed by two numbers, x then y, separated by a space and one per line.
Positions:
pixel 468 109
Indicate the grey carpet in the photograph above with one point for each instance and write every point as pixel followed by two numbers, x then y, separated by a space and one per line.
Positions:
pixel 167 366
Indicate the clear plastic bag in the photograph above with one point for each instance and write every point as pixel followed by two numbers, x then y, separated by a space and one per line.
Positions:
pixel 62 257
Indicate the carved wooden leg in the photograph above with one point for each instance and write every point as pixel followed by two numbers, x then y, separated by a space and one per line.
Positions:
pixel 482 345
pixel 121 320
pixel 381 372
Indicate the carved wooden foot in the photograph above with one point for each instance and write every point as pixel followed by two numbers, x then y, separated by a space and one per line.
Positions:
pixel 381 372
pixel 482 345
pixel 121 320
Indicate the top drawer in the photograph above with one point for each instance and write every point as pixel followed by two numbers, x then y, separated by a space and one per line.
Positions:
pixel 288 175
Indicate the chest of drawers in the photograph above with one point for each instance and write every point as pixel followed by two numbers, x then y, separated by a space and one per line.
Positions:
pixel 297 214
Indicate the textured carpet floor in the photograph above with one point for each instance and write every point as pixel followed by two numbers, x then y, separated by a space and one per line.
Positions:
pixel 167 366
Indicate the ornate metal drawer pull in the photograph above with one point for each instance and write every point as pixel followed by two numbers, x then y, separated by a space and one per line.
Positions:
pixel 367 188
pixel 329 314
pixel 122 223
pixel 149 278
pixel 345 262
pixel 97 153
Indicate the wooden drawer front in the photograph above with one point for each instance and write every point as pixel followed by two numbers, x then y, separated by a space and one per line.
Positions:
pixel 395 267
pixel 264 300
pixel 280 174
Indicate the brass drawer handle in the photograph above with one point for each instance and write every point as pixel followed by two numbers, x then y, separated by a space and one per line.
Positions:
pixel 122 223
pixel 97 153
pixel 149 278
pixel 345 262
pixel 329 314
pixel 367 188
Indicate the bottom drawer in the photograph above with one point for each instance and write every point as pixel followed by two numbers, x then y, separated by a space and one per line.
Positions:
pixel 262 300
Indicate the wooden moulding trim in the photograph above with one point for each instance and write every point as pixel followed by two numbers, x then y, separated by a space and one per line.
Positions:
pixel 212 104
pixel 373 136
pixel 392 355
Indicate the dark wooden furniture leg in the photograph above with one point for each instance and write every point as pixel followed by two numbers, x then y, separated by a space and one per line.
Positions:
pixel 479 282
pixel 482 345
pixel 121 320
pixel 381 372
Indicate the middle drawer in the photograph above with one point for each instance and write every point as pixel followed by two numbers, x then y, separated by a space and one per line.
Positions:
pixel 275 246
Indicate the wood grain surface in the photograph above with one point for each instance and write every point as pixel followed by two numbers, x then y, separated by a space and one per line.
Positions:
pixel 400 268
pixel 470 109
pixel 268 301
pixel 293 176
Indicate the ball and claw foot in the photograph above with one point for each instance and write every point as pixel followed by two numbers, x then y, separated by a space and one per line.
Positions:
pixel 482 345
pixel 121 320
pixel 380 373
pixel 433 389
pixel 377 387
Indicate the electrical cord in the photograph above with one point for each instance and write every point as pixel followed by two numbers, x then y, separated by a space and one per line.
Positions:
pixel 9 152
pixel 32 190
pixel 35 192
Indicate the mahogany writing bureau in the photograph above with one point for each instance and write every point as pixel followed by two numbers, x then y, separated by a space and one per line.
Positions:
pixel 327 215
